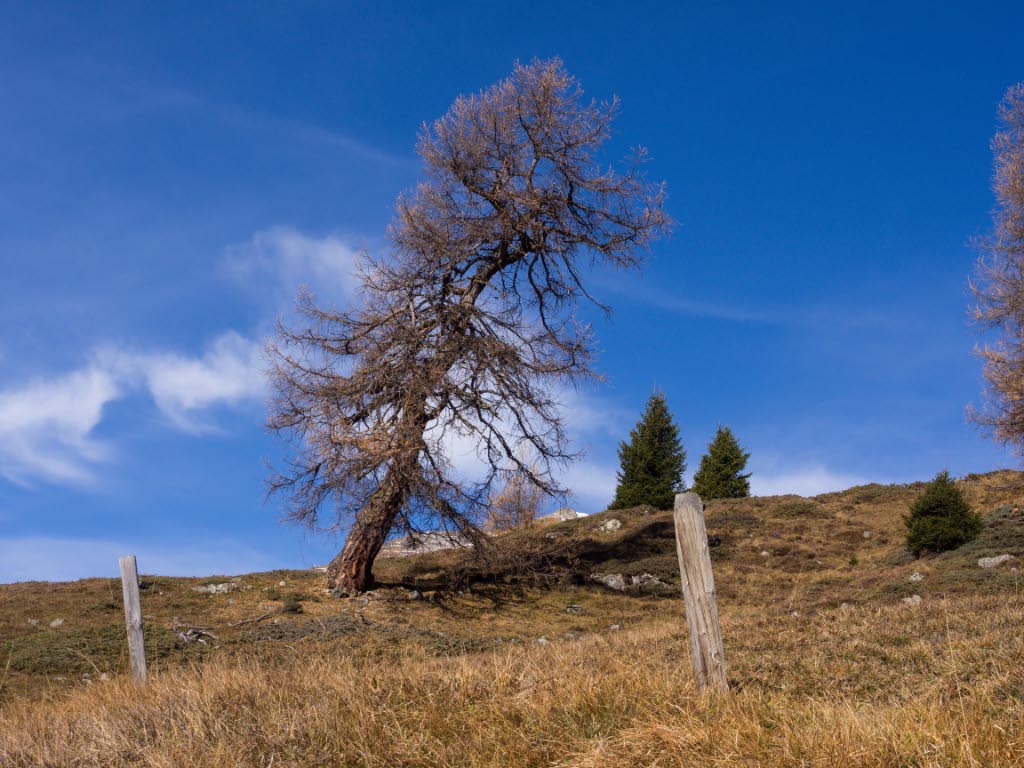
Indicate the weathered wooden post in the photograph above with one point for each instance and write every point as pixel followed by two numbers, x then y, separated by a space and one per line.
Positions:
pixel 706 650
pixel 133 616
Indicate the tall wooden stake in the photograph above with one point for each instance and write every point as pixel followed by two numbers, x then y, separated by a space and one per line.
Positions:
pixel 706 650
pixel 133 616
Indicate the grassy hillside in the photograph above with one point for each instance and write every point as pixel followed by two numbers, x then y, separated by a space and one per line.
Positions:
pixel 517 656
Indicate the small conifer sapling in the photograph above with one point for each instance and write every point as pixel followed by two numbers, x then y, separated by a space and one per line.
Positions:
pixel 721 475
pixel 941 519
pixel 653 461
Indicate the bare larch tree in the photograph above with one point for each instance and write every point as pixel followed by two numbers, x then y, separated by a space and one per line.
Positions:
pixel 515 504
pixel 999 283
pixel 465 328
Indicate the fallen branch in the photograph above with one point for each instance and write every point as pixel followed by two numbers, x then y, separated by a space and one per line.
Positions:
pixel 194 634
pixel 253 620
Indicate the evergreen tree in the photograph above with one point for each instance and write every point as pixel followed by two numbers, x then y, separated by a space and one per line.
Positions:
pixel 941 519
pixel 721 475
pixel 653 461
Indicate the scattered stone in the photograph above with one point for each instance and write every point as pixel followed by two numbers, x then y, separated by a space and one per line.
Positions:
pixel 282 583
pixel 912 600
pixel 916 576
pixel 610 525
pixel 645 579
pixel 34 622
pixel 795 614
pixel 614 627
pixel 56 623
pixel 561 515
pixel 415 595
pixel 551 536
pixel 614 581
pixel 994 562
pixel 104 676
pixel 574 609
pixel 867 534
pixel 844 606
pixel 216 589
pixel 427 541
pixel 542 641
pixel 765 553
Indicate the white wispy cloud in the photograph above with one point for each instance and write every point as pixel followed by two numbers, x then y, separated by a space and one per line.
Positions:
pixel 51 558
pixel 592 484
pixel 276 262
pixel 228 373
pixel 138 96
pixel 802 481
pixel 589 414
pixel 46 426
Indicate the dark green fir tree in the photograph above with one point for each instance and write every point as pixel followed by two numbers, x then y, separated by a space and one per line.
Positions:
pixel 721 475
pixel 652 462
pixel 941 519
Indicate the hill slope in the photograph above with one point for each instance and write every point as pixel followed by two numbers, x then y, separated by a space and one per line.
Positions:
pixel 812 598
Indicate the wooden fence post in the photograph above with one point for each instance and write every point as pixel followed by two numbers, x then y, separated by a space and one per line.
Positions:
pixel 706 650
pixel 133 616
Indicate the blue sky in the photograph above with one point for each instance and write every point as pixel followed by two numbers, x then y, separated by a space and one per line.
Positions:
pixel 173 173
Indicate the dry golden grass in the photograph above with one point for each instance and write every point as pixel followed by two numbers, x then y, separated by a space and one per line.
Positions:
pixel 615 699
pixel 828 666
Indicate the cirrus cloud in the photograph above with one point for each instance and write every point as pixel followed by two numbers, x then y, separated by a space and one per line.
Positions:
pixel 48 425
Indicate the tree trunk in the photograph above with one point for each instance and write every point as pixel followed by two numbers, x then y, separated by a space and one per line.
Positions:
pixel 351 570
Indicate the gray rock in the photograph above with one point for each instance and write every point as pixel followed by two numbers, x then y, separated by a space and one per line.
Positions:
pixel 765 553
pixel 614 581
pixel 610 525
pixel 647 579
pixel 415 595
pixel 912 600
pixel 56 623
pixel 867 534
pixel 216 589
pixel 562 514
pixel 574 609
pixel 614 627
pixel 34 622
pixel 916 576
pixel 428 541
pixel 994 562
pixel 542 641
